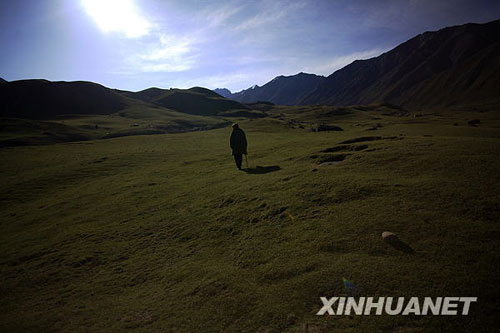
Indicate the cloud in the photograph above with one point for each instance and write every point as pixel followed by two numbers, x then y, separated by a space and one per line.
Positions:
pixel 216 17
pixel 166 54
pixel 171 50
pixel 269 14
pixel 167 67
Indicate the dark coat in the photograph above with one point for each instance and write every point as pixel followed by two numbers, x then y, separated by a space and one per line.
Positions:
pixel 238 142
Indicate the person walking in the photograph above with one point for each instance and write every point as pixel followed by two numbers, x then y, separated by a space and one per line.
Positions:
pixel 238 143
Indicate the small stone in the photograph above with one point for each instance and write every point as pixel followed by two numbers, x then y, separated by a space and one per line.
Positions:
pixel 393 240
pixel 387 234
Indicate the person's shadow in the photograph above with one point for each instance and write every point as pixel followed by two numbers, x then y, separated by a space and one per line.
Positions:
pixel 398 244
pixel 258 170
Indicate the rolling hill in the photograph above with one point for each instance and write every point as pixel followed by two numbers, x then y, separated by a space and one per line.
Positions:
pixel 453 67
pixel 42 99
pixel 458 65
pixel 146 95
pixel 41 112
pixel 195 101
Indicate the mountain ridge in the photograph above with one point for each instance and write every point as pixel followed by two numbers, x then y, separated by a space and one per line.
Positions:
pixel 451 66
pixel 284 90
pixel 224 92
pixel 456 65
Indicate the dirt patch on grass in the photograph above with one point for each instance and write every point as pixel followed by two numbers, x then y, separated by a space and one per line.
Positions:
pixel 344 148
pixel 326 128
pixel 369 138
pixel 332 158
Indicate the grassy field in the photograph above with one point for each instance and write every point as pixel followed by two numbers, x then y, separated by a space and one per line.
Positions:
pixel 161 232
pixel 134 120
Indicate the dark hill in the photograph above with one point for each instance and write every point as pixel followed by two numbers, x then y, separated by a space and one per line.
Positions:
pixel 197 101
pixel 285 90
pixel 454 66
pixel 146 95
pixel 204 91
pixel 41 99
pixel 2 81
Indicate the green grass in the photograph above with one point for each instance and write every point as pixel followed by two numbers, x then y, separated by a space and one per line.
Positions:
pixel 134 120
pixel 160 232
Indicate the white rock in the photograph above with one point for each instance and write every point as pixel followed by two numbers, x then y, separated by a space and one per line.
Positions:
pixel 388 234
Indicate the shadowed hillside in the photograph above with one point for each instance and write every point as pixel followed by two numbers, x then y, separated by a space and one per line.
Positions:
pixel 41 99
pixel 196 101
pixel 73 111
pixel 146 95
pixel 456 65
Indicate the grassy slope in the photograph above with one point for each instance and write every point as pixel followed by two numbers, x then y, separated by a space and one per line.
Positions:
pixel 161 232
pixel 56 112
pixel 15 132
pixel 134 120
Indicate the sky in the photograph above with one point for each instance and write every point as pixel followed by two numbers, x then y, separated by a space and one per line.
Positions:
pixel 137 44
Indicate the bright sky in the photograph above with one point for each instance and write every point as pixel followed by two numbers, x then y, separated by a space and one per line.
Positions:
pixel 136 44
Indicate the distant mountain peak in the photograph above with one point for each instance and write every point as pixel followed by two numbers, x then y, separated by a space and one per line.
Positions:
pixel 222 89
pixel 224 92
pixel 285 90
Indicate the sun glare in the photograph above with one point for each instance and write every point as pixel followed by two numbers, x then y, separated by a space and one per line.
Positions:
pixel 121 16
